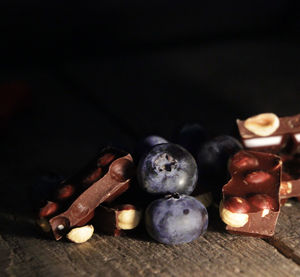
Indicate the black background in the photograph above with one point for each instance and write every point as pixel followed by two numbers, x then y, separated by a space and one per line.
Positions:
pixel 119 70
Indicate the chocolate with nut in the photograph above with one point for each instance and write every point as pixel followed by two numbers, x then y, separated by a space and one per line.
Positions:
pixel 106 189
pixel 114 220
pixel 250 202
pixel 269 133
pixel 72 187
pixel 284 140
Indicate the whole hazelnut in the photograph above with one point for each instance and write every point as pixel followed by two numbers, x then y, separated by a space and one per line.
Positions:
pixel 128 217
pixel 237 205
pixel 65 192
pixel 243 160
pixel 231 218
pixel 259 177
pixel 263 202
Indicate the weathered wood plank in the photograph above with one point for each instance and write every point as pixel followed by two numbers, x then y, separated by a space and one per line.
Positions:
pixel 213 254
pixel 287 236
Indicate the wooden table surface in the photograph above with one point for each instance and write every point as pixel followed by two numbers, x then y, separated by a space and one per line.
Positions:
pixel 82 104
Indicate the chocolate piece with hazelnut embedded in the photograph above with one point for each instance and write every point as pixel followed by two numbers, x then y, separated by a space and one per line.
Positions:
pixel 73 186
pixel 269 133
pixel 284 140
pixel 106 189
pixel 250 202
pixel 114 220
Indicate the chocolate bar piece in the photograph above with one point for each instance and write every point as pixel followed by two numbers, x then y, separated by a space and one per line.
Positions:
pixel 72 187
pixel 106 189
pixel 256 133
pixel 250 202
pixel 269 133
pixel 114 220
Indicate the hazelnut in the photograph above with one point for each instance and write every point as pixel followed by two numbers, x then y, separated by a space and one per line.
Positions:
pixel 49 209
pixel 258 177
pixel 44 225
pixel 263 202
pixel 263 124
pixel 65 192
pixel 128 217
pixel 237 205
pixel 81 234
pixel 285 188
pixel 232 219
pixel 243 160
pixel 105 159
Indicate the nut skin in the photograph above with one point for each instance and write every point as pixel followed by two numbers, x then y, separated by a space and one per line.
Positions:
pixel 65 192
pixel 264 124
pixel 243 161
pixel 236 220
pixel 49 209
pixel 81 234
pixel 259 177
pixel 262 202
pixel 237 205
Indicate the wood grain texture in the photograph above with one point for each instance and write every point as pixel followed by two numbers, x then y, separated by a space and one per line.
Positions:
pixel 287 236
pixel 29 254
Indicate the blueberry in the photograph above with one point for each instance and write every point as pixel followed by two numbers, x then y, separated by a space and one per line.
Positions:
pixel 176 219
pixel 212 161
pixel 167 168
pixel 191 136
pixel 147 143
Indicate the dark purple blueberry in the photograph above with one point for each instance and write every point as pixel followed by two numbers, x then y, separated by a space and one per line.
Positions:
pixel 191 136
pixel 167 168
pixel 147 143
pixel 176 219
pixel 44 188
pixel 212 161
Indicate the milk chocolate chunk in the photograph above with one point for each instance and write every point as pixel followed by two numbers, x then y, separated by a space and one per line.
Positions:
pixel 69 189
pixel 111 185
pixel 284 141
pixel 250 203
pixel 269 133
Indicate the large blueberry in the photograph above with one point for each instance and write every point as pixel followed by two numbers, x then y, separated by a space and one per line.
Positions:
pixel 212 160
pixel 167 168
pixel 191 136
pixel 176 219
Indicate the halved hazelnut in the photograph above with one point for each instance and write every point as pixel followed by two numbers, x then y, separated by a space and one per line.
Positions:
pixel 81 234
pixel 128 217
pixel 263 124
pixel 263 202
pixel 232 219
